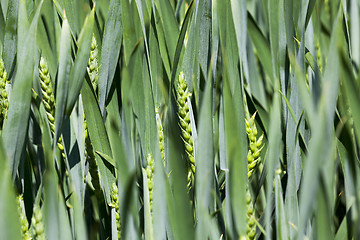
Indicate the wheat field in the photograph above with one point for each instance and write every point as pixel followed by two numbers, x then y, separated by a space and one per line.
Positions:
pixel 179 119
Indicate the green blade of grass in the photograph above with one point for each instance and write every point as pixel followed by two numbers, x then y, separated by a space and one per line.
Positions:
pixel 282 222
pixel 131 31
pixel 204 177
pixel 72 12
pixel 160 206
pixel 15 127
pixel 2 27
pixel 354 31
pixel 319 165
pixel 236 156
pixel 179 46
pixel 274 149
pixel 238 8
pixel 261 45
pixel 78 70
pixel 158 83
pixel 110 50
pixel 169 24
pixel 9 220
pixel 46 36
pixel 203 23
pixel 56 221
pixel 98 136
pixel 10 36
pixel 62 78
pixel 79 226
pixel 274 36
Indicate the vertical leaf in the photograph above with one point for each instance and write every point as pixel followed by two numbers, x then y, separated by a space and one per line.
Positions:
pixel 10 36
pixel 9 220
pixel 238 8
pixel 204 177
pixel 78 70
pixel 98 136
pixel 236 156
pixel 110 50
pixel 15 128
pixel 62 78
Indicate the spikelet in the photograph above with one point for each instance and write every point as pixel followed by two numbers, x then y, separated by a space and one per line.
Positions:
pixel 23 221
pixel 255 147
pixel 93 167
pixel 37 224
pixel 149 174
pixel 115 204
pixel 251 227
pixel 93 64
pixel 4 100
pixel 48 97
pixel 160 134
pixel 182 94
pixel 319 55
pixel 47 93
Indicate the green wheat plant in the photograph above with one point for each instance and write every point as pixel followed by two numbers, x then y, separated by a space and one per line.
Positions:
pixel 23 221
pixel 4 101
pixel 115 205
pixel 37 224
pixel 93 64
pixel 160 134
pixel 47 91
pixel 169 119
pixel 183 95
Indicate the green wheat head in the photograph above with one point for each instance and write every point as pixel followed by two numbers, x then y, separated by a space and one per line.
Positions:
pixel 4 100
pixel 149 174
pixel 253 158
pixel 251 227
pixel 182 94
pixel 255 147
pixel 93 64
pixel 319 55
pixel 47 93
pixel 37 224
pixel 160 134
pixel 48 97
pixel 115 204
pixel 93 167
pixel 23 221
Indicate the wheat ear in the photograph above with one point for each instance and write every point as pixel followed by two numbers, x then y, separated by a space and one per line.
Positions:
pixel 4 100
pixel 115 205
pixel 183 94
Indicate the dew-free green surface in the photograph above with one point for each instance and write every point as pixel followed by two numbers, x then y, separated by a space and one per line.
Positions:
pixel 293 63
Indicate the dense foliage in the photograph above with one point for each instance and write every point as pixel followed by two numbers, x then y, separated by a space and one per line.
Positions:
pixel 179 119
